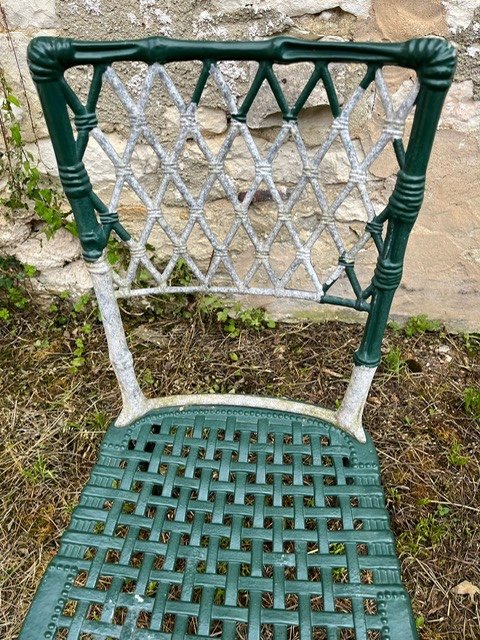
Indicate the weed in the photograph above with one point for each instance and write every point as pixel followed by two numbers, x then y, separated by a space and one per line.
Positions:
pixel 13 285
pixel 429 531
pixel 151 589
pixel 78 360
pixel 471 402
pixel 394 361
pixel 420 622
pixel 472 344
pixel 147 377
pixel 25 186
pixel 234 319
pixel 337 548
pixel 38 472
pixel 417 325
pixel 455 457
pixel 393 495
pixel 394 326
pixel 97 421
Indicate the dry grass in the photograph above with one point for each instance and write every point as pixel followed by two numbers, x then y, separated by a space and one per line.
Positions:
pixel 52 417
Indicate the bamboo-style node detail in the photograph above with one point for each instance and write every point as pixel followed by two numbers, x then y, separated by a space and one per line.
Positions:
pixel 434 59
pixel 407 197
pixel 85 121
pixel 75 180
pixel 108 217
pixel 387 275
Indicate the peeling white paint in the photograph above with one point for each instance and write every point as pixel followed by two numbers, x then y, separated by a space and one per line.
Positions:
pixel 349 415
pixel 132 17
pixel 93 7
pixel 459 13
pixel 154 16
pixel 206 26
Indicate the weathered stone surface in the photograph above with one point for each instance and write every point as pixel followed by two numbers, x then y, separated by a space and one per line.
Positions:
pixel 294 8
pixel 212 120
pixel 73 277
pixel 13 60
pixel 468 54
pixel 45 253
pixel 441 276
pixel 265 111
pixel 13 231
pixel 461 111
pixel 459 13
pixel 30 14
pixel 409 18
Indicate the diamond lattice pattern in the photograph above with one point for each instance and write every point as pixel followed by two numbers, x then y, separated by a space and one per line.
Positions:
pixel 222 274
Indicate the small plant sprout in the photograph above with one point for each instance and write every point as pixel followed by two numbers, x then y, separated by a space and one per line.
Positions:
pixel 38 472
pixel 234 319
pixel 394 361
pixel 471 402
pixel 417 325
pixel 455 456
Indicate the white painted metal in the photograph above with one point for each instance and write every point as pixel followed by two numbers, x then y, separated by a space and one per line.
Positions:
pixel 110 285
pixel 170 160
pixel 134 402
pixel 349 415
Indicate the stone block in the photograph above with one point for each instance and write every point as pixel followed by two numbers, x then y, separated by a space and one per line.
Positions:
pixel 211 120
pixel 295 8
pixel 13 231
pixel 45 254
pixel 459 13
pixel 73 277
pixel 461 111
pixel 30 14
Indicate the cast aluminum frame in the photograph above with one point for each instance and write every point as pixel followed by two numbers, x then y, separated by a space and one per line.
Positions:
pixel 433 60
pixel 219 500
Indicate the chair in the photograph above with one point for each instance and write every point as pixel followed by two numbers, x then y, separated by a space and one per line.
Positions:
pixel 233 516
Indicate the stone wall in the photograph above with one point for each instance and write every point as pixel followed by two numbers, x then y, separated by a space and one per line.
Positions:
pixel 442 274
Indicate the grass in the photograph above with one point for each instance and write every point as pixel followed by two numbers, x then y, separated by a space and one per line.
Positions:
pixel 55 409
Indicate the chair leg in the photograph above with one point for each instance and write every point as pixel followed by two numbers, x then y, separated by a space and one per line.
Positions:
pixel 349 415
pixel 134 402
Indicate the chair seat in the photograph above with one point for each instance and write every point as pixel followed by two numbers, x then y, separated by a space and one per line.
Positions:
pixel 226 522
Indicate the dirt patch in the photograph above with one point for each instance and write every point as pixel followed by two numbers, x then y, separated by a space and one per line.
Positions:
pixel 59 394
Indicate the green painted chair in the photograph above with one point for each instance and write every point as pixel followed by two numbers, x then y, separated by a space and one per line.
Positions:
pixel 220 515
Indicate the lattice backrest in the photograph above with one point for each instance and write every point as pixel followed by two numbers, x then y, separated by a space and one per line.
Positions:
pixel 266 273
pixel 309 240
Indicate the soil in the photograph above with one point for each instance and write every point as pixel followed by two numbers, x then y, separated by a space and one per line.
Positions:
pixel 59 395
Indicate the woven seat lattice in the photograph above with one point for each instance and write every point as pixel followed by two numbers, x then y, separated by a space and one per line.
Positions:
pixel 231 523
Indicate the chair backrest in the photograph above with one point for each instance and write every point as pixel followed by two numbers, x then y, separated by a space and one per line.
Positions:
pixel 275 227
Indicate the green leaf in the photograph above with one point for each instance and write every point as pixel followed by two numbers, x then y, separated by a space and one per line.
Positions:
pixel 16 134
pixel 29 270
pixel 12 99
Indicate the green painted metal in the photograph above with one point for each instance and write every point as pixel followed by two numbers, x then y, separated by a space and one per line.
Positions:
pixel 433 59
pixel 231 522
